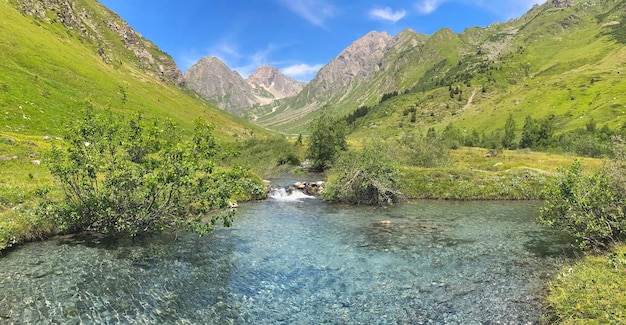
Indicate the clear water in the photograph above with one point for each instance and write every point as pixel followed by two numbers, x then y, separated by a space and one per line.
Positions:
pixel 301 261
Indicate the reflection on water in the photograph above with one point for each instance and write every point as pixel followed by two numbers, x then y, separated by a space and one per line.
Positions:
pixel 298 262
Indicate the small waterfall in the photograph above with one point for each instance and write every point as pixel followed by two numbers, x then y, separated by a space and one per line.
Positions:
pixel 288 194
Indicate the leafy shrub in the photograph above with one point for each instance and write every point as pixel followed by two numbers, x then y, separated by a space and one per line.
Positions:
pixel 424 151
pixel 590 207
pixel 127 176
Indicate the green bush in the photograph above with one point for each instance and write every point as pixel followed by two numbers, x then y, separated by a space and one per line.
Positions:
pixel 127 176
pixel 590 207
pixel 423 151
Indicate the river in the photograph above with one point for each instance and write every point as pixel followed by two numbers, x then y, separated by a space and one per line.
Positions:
pixel 298 260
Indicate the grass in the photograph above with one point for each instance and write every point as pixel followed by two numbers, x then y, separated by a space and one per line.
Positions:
pixel 591 291
pixel 520 175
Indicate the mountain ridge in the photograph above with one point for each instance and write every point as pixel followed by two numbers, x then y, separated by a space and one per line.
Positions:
pixel 215 81
pixel 495 60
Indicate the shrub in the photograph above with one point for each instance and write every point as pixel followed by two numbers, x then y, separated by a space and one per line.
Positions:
pixel 424 151
pixel 126 176
pixel 590 207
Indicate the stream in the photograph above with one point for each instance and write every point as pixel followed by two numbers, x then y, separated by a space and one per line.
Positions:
pixel 293 259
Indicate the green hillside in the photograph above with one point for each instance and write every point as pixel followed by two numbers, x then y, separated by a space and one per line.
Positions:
pixel 48 72
pixel 562 60
pixel 565 62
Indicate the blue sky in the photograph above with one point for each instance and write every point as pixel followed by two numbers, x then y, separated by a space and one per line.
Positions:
pixel 296 36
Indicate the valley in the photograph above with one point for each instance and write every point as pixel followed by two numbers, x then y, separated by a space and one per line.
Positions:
pixel 100 128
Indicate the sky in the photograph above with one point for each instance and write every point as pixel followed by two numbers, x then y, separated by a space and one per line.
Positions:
pixel 296 36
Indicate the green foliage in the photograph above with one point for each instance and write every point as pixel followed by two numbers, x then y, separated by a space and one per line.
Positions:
pixel 537 134
pixel 327 139
pixel 508 140
pixel 590 207
pixel 423 151
pixel 368 176
pixel 266 156
pixel 357 114
pixel 127 176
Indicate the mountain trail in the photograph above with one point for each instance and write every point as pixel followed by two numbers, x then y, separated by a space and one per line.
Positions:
pixel 470 99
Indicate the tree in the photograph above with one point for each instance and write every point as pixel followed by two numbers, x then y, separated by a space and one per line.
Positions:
pixel 537 133
pixel 529 132
pixel 127 176
pixel 508 140
pixel 327 139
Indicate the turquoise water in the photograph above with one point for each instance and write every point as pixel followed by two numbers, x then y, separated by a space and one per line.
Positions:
pixel 298 261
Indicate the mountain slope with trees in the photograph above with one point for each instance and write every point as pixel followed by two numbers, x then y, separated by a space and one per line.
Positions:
pixel 563 59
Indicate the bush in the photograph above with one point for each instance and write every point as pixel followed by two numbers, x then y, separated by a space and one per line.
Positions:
pixel 590 207
pixel 126 176
pixel 368 176
pixel 424 151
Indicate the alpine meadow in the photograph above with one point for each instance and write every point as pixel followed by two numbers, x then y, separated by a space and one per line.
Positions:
pixel 103 136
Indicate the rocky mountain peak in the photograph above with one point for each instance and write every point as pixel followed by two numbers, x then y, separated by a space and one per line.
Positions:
pixel 215 81
pixel 273 81
pixel 227 89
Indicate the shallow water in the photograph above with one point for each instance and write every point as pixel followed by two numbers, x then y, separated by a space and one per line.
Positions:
pixel 302 261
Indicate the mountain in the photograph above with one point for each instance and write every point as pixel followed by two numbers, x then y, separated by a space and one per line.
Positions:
pixel 60 56
pixel 270 79
pixel 216 82
pixel 561 58
pixel 76 16
pixel 341 82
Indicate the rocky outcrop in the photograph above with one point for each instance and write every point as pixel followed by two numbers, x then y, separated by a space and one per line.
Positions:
pixel 561 3
pixel 95 25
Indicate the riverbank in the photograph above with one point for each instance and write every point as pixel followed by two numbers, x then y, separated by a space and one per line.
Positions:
pixel 589 291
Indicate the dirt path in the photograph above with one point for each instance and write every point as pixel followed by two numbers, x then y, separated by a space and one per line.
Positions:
pixel 470 99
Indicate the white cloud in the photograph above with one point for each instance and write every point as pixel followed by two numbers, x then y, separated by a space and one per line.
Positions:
pixel 302 71
pixel 426 7
pixel 387 14
pixel 314 11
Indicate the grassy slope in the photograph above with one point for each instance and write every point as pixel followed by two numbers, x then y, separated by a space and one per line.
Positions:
pixel 573 72
pixel 46 76
pixel 567 62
